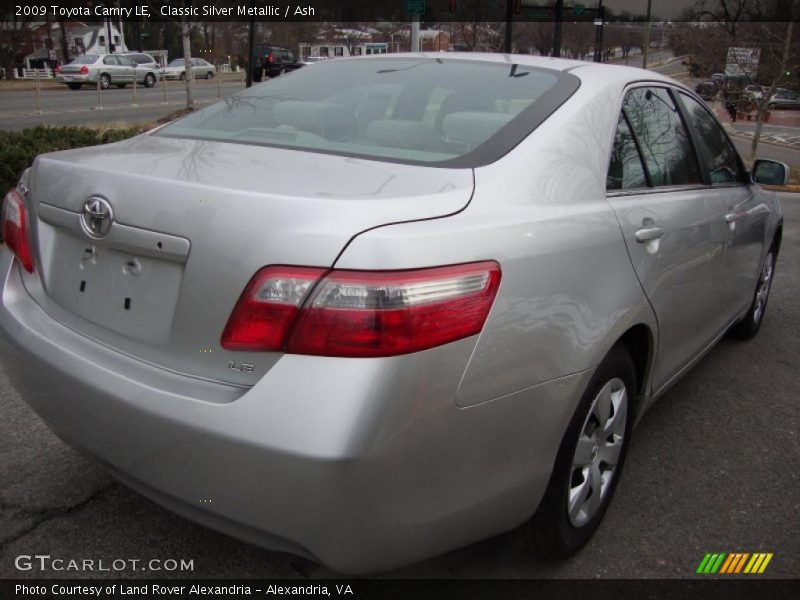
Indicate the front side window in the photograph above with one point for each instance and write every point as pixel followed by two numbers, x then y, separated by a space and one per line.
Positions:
pixel 626 170
pixel 418 110
pixel 716 150
pixel 110 60
pixel 662 137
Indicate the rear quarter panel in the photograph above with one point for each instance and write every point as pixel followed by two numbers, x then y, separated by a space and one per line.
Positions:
pixel 568 290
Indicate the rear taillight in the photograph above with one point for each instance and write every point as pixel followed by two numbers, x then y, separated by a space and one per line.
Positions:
pixel 84 70
pixel 268 307
pixel 270 58
pixel 58 69
pixel 361 313
pixel 15 229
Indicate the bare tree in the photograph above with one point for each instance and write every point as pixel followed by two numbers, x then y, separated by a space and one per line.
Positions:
pixel 764 26
pixel 12 35
pixel 783 58
pixel 186 31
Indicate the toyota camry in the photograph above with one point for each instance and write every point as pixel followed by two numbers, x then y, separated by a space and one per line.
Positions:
pixel 388 306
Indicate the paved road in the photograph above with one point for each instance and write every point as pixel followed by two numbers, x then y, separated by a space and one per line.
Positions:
pixel 787 155
pixel 786 136
pixel 68 107
pixel 714 466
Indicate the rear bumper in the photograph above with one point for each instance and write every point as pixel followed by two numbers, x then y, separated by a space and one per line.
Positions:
pixel 76 78
pixel 361 464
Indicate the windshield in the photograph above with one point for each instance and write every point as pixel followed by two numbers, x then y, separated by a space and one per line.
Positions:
pixel 415 110
pixel 86 59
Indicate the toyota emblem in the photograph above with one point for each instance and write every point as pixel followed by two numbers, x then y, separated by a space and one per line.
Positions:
pixel 96 217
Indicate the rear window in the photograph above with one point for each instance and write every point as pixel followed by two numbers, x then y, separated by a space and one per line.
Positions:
pixel 86 59
pixel 457 113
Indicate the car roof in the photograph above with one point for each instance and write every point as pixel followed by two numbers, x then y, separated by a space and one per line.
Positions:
pixel 611 74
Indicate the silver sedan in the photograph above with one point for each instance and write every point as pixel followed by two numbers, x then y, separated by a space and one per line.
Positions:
pixel 201 69
pixel 387 306
pixel 107 70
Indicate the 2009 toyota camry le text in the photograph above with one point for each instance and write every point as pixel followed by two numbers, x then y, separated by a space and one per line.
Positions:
pixel 387 306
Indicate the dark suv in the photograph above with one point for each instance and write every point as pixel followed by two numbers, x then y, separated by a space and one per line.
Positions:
pixel 274 60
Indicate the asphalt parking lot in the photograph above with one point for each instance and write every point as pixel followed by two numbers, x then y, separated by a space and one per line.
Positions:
pixel 713 467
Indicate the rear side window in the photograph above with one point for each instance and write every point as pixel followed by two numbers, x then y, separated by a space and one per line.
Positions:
pixel 626 170
pixel 716 150
pixel 454 113
pixel 662 137
pixel 110 60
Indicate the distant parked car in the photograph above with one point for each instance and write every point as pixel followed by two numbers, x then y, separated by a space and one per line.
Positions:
pixel 109 69
pixel 756 92
pixel 707 90
pixel 785 99
pixel 274 60
pixel 202 69
pixel 146 61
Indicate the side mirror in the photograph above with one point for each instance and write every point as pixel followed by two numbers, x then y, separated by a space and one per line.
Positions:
pixel 770 172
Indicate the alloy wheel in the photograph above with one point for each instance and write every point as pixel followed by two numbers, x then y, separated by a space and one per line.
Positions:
pixel 597 453
pixel 764 284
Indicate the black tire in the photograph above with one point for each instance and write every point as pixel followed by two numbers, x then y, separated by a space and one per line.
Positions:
pixel 209 75
pixel 105 81
pixel 748 327
pixel 770 106
pixel 550 531
pixel 183 76
pixel 149 80
pixel 74 86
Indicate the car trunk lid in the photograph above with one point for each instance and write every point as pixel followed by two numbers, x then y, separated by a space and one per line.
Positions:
pixel 192 222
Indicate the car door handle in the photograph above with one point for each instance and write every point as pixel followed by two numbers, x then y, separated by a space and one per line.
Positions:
pixel 648 234
pixel 731 217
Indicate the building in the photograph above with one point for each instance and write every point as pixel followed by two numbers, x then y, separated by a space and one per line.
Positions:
pixel 44 48
pixel 333 43
pixel 91 39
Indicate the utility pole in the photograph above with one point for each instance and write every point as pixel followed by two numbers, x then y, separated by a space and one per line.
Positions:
pixel 598 40
pixel 646 36
pixel 557 34
pixel 109 40
pixel 509 25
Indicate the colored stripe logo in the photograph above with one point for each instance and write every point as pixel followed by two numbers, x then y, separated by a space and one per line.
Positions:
pixel 734 563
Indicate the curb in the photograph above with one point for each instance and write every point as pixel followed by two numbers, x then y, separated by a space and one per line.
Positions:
pixel 738 135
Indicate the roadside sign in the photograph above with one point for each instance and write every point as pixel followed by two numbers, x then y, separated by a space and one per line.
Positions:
pixel 579 10
pixel 52 54
pixel 742 62
pixel 414 7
